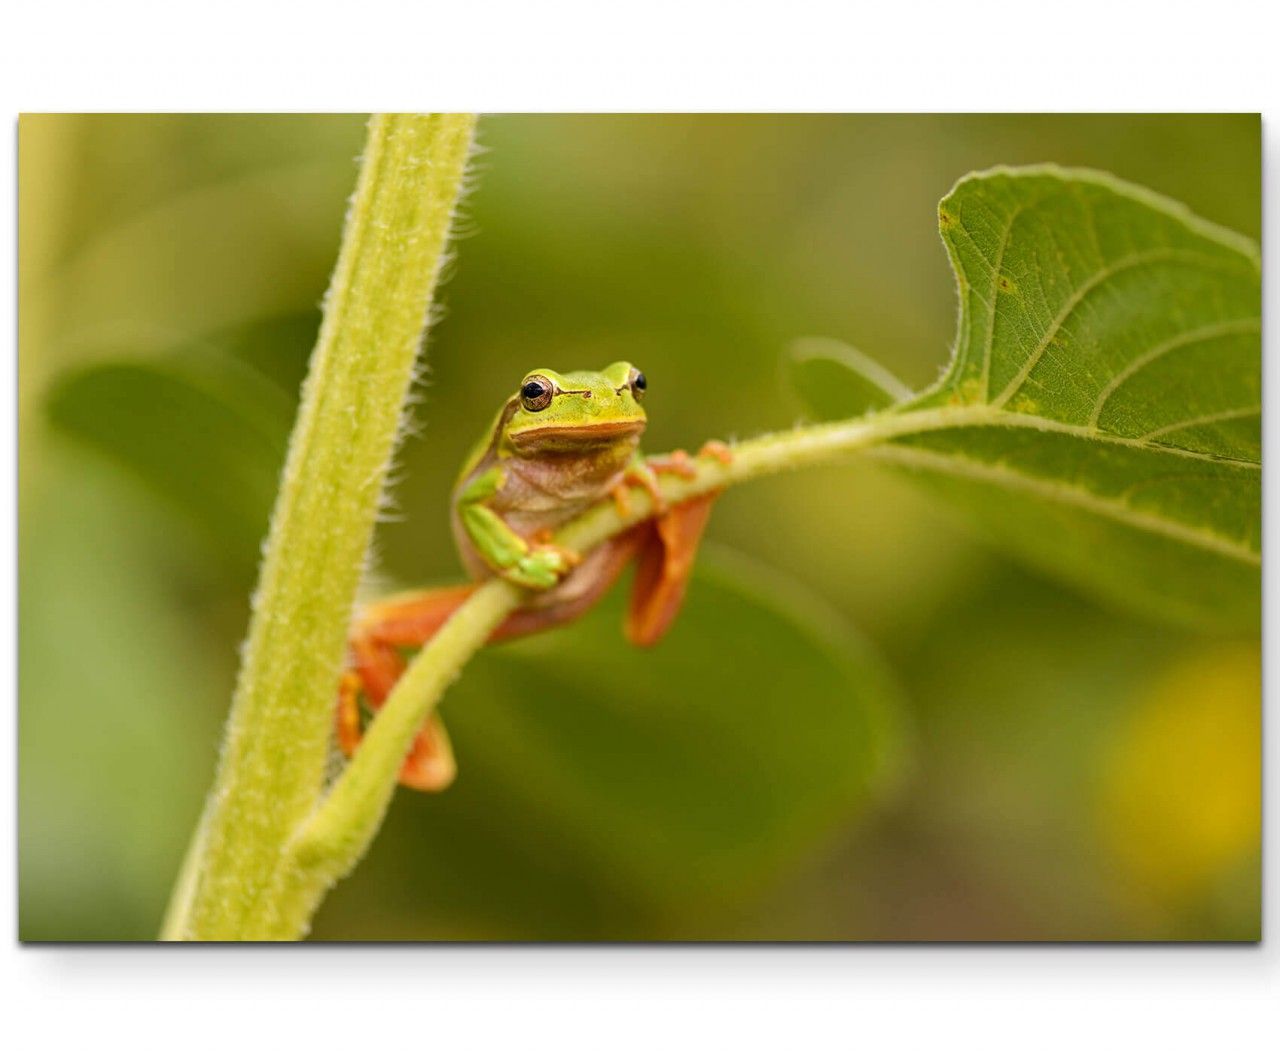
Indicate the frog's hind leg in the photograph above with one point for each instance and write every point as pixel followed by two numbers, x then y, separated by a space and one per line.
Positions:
pixel 669 547
pixel 408 620
pixel 663 567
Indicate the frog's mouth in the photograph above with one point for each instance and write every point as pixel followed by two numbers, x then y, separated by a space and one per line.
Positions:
pixel 579 435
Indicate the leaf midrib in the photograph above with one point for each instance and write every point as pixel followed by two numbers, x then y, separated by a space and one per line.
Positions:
pixel 988 416
pixel 942 419
pixel 1064 494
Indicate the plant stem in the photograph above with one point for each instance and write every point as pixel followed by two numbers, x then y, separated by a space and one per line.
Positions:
pixel 277 740
pixel 341 830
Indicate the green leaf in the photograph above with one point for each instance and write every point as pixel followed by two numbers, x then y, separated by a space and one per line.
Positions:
pixel 122 690
pixel 668 784
pixel 201 430
pixel 838 381
pixel 1101 412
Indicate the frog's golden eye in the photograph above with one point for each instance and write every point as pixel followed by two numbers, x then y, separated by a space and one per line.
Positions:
pixel 536 393
pixel 638 384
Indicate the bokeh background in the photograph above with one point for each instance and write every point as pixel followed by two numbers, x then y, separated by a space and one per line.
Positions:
pixel 870 723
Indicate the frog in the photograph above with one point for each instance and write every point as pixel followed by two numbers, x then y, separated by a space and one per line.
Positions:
pixel 561 443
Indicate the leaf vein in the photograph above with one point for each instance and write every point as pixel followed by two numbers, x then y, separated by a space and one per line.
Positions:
pixel 993 308
pixel 1096 280
pixel 1205 419
pixel 1183 340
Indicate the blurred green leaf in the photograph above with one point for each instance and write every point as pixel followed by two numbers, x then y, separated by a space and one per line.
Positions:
pixel 123 692
pixel 204 431
pixel 277 346
pixel 673 782
pixel 1101 411
pixel 837 381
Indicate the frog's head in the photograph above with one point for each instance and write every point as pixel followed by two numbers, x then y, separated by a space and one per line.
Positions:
pixel 568 411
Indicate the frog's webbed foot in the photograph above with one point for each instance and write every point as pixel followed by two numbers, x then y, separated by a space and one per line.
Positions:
pixel 542 567
pixel 679 463
pixel 721 452
pixel 645 473
pixel 638 474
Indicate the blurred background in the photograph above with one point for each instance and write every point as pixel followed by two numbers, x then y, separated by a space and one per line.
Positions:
pixel 868 724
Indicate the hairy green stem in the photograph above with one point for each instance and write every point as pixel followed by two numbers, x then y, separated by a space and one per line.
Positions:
pixel 239 881
pixel 339 832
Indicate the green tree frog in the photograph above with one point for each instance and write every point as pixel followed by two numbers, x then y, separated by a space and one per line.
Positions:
pixel 561 443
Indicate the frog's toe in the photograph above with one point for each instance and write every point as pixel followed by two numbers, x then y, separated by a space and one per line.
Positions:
pixel 544 566
pixel 721 452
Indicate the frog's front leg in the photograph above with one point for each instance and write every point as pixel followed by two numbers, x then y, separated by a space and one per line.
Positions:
pixel 644 472
pixel 679 463
pixel 539 566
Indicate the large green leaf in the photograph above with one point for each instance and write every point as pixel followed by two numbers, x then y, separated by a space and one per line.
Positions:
pixel 205 432
pixel 1101 412
pixel 122 693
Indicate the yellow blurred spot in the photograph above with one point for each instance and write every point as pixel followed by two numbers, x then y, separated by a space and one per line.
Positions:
pixel 1024 405
pixel 1180 793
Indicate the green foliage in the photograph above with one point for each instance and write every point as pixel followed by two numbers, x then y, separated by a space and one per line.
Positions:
pixel 574 266
pixel 150 415
pixel 1100 414
pixel 837 381
pixel 110 681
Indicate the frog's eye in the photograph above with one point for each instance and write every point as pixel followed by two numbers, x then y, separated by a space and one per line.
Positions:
pixel 536 393
pixel 638 384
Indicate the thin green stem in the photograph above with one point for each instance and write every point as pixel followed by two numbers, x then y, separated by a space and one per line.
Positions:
pixel 277 741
